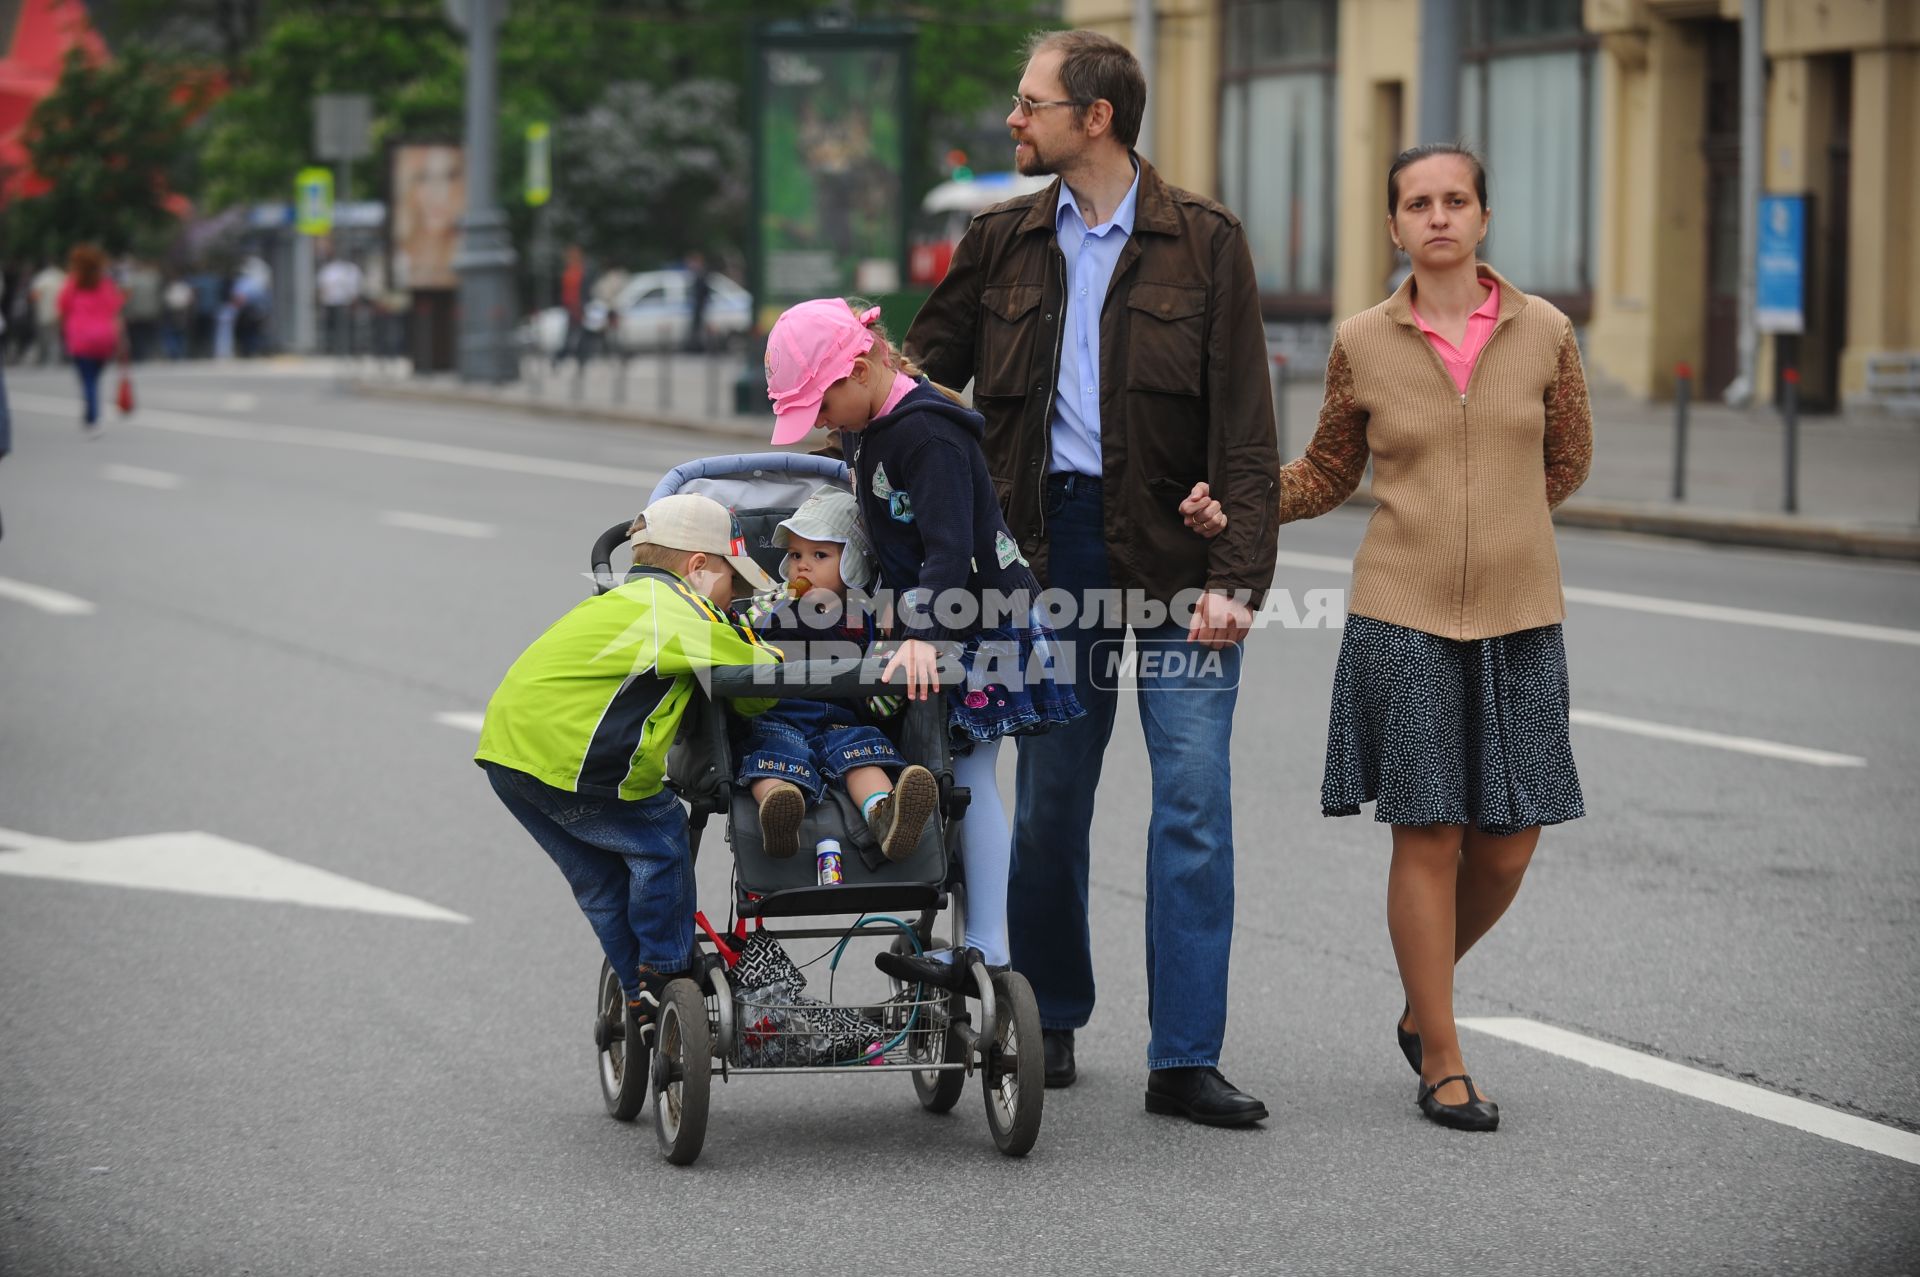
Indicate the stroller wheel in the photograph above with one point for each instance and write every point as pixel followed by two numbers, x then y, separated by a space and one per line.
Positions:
pixel 682 1073
pixel 1014 1074
pixel 623 1062
pixel 933 1043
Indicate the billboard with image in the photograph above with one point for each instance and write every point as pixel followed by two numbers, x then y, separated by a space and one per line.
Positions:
pixel 429 197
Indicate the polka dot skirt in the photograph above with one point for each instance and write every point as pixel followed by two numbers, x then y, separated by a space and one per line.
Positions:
pixel 1435 731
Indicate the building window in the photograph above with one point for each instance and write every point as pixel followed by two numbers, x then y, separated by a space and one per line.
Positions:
pixel 1528 97
pixel 1277 144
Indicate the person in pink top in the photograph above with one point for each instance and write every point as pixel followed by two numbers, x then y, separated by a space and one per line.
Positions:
pixel 1450 700
pixel 90 322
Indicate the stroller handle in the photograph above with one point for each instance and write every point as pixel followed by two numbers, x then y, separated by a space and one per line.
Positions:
pixel 810 680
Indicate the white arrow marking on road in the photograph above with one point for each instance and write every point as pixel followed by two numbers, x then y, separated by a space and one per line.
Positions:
pixel 1741 1096
pixel 140 477
pixel 46 600
pixel 434 523
pixel 1671 607
pixel 203 864
pixel 1714 740
pixel 465 722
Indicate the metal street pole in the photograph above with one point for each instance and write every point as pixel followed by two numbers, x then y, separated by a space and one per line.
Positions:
pixel 1753 114
pixel 1145 51
pixel 486 259
pixel 1438 117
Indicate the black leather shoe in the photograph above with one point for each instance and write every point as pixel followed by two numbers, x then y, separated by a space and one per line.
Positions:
pixel 1475 1115
pixel 1409 1042
pixel 1203 1096
pixel 955 976
pixel 1059 1051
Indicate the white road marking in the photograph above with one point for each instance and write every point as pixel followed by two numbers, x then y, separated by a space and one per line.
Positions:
pixel 1714 740
pixel 1671 607
pixel 140 477
pixel 46 600
pixel 1755 1101
pixel 465 722
pixel 203 864
pixel 380 445
pixel 435 523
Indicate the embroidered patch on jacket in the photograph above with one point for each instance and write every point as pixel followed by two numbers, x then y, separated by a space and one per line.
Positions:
pixel 881 487
pixel 1007 552
pixel 900 506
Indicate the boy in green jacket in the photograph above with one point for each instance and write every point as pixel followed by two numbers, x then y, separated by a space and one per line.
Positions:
pixel 576 736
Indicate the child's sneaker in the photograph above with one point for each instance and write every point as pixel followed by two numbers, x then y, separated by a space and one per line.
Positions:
pixel 899 818
pixel 643 1013
pixel 781 812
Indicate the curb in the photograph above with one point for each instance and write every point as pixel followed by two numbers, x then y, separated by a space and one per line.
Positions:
pixel 1713 527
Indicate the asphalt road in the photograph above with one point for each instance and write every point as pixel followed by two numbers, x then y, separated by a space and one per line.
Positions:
pixel 288 586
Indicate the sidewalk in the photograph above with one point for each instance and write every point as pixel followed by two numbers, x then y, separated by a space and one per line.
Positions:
pixel 1859 471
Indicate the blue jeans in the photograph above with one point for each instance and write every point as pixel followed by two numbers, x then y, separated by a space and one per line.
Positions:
pixel 812 744
pixel 627 862
pixel 89 370
pixel 1186 710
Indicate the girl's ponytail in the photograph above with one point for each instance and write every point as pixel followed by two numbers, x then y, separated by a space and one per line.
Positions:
pixel 895 357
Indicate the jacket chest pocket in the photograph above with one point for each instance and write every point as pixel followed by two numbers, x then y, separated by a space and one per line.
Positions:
pixel 1009 332
pixel 1166 338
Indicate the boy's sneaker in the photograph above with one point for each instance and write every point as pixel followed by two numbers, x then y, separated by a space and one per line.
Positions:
pixel 899 818
pixel 643 1013
pixel 781 812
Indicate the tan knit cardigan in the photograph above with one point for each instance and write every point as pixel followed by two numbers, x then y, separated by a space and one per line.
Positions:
pixel 1461 543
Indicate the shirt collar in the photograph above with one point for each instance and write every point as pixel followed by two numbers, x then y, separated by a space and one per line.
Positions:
pixel 1122 218
pixel 1487 309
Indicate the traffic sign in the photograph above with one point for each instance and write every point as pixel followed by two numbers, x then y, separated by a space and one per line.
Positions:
pixel 539 163
pixel 313 201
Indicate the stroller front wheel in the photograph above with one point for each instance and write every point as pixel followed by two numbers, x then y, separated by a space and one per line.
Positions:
pixel 682 1074
pixel 1014 1073
pixel 623 1060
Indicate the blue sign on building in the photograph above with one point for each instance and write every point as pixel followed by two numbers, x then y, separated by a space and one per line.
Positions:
pixel 1781 292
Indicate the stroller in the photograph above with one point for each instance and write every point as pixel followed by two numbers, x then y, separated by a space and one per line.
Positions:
pixel 743 1013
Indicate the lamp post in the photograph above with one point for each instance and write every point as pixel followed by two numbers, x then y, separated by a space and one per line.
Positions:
pixel 485 261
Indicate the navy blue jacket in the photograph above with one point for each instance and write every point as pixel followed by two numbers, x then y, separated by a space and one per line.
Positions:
pixel 930 508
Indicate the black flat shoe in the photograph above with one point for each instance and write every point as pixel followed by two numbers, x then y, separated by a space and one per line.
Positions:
pixel 1409 1042
pixel 1059 1051
pixel 1203 1096
pixel 955 976
pixel 1475 1115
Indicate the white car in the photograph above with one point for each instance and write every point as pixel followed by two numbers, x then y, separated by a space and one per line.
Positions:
pixel 653 310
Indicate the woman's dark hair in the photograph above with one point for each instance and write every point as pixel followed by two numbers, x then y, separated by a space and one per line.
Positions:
pixel 1095 66
pixel 85 263
pixel 1413 155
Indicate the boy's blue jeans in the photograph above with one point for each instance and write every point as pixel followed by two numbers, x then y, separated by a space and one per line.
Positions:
pixel 627 861
pixel 1187 715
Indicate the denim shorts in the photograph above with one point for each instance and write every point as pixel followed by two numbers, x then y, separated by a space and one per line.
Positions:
pixel 824 749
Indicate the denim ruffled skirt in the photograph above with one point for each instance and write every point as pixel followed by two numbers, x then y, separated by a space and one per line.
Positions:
pixel 1438 731
pixel 1013 687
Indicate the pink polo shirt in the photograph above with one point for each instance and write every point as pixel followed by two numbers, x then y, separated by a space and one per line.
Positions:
pixel 1459 360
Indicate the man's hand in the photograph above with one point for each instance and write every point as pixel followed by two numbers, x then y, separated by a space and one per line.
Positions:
pixel 1202 513
pixel 922 665
pixel 1219 621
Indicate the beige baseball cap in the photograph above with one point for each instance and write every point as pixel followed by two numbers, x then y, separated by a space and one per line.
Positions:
pixel 688 521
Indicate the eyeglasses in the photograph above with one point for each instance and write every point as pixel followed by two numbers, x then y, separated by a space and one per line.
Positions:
pixel 1027 106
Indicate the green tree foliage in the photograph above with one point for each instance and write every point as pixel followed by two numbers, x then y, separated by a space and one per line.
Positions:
pixel 110 140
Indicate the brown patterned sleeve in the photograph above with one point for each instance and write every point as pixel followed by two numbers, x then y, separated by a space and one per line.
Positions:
pixel 1330 469
pixel 1569 434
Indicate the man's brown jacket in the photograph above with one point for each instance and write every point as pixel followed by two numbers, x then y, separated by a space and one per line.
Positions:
pixel 1184 389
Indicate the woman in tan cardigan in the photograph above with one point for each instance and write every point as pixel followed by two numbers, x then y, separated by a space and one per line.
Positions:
pixel 1450 698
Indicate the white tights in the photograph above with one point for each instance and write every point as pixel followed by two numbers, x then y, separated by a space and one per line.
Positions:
pixel 988 853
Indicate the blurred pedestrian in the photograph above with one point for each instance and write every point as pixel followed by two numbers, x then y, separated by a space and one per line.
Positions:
pixel 144 308
pixel 699 293
pixel 6 415
pixel 252 296
pixel 1450 708
pixel 15 307
pixel 176 321
pixel 45 291
pixel 339 285
pixel 91 323
pixel 573 298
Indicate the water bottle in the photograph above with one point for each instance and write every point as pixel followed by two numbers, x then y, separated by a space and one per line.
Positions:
pixel 827 864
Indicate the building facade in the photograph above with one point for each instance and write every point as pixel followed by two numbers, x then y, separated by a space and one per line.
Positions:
pixel 1611 130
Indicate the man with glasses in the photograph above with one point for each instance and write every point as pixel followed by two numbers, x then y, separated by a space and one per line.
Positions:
pixel 1110 325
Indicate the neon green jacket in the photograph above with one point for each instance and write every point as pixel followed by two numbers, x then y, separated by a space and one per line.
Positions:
pixel 591 707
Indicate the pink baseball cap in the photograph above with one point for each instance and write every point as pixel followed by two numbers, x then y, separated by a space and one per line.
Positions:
pixel 812 346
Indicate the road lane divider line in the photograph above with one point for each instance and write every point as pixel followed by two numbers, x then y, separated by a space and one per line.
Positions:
pixel 625 477
pixel 1714 740
pixel 466 722
pixel 435 523
pixel 46 600
pixel 1743 1097
pixel 1670 607
pixel 141 477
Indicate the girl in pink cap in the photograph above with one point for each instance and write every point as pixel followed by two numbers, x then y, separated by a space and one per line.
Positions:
pixel 961 587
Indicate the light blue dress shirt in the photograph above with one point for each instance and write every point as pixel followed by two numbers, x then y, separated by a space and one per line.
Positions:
pixel 1091 256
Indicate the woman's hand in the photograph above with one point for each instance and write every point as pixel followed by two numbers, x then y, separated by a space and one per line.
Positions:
pixel 922 665
pixel 1202 513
